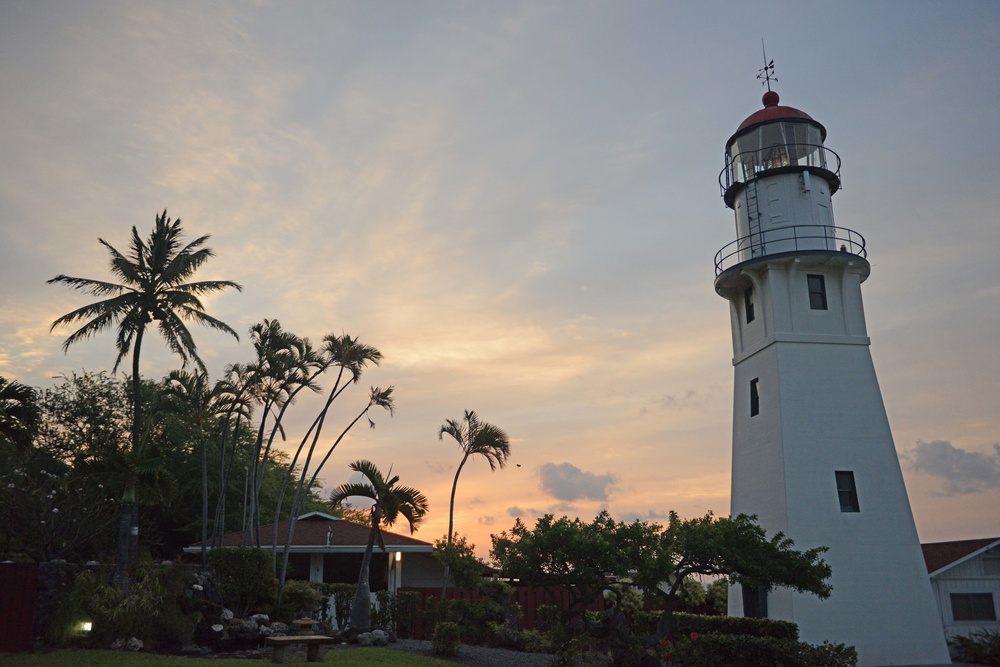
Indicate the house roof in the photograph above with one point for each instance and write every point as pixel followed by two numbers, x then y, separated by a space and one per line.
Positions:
pixel 316 531
pixel 944 555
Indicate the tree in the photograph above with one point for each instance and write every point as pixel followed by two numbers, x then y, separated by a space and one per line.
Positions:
pixel 459 558
pixel 19 413
pixel 474 438
pixel 350 357
pixel 389 503
pixel 737 548
pixel 153 287
pixel 191 394
pixel 586 556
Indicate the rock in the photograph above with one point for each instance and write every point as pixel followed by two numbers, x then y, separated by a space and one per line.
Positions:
pixel 279 628
pixel 260 618
pixel 365 639
pixel 117 644
pixel 134 644
pixel 265 631
pixel 380 637
pixel 198 587
pixel 218 627
pixel 227 615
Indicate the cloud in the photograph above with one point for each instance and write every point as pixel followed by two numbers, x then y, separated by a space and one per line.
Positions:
pixel 567 482
pixel 960 471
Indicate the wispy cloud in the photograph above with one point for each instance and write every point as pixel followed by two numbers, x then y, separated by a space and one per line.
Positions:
pixel 567 482
pixel 959 470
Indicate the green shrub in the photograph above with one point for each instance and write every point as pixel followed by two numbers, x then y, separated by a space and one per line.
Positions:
pixel 447 637
pixel 246 581
pixel 712 650
pixel 300 599
pixel 980 648
pixel 829 655
pixel 397 612
pixel 343 598
pixel 683 625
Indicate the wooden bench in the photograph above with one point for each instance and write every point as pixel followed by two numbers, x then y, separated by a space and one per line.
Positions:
pixel 315 645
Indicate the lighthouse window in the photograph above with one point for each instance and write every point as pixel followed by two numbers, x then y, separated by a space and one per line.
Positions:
pixel 748 303
pixel 754 398
pixel 817 292
pixel 973 607
pixel 847 491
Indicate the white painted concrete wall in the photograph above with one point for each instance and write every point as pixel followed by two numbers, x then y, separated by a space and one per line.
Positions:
pixel 821 411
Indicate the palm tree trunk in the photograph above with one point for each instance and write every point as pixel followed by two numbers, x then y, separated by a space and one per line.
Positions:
pixel 204 500
pixel 451 523
pixel 128 523
pixel 361 609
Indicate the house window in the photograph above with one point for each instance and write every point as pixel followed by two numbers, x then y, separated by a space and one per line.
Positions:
pixel 817 291
pixel 973 607
pixel 748 304
pixel 754 398
pixel 754 601
pixel 847 491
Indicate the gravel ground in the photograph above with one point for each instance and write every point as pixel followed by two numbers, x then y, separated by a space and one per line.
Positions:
pixel 477 656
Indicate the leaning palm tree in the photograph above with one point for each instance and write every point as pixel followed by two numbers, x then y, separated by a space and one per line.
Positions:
pixel 474 438
pixel 20 415
pixel 153 287
pixel 390 502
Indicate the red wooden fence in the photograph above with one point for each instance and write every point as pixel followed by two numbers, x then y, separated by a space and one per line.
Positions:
pixel 18 590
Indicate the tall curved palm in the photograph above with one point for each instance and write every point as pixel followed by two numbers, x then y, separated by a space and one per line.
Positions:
pixel 474 438
pixel 390 503
pixel 153 287
pixel 20 415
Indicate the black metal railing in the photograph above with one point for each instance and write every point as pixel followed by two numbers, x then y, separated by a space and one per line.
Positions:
pixel 796 238
pixel 750 164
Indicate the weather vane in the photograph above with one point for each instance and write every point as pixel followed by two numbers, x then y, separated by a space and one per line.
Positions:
pixel 766 74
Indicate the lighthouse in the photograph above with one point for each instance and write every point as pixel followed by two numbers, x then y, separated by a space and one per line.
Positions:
pixel 813 455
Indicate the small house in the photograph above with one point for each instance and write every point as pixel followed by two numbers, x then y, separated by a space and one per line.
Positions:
pixel 329 549
pixel 965 578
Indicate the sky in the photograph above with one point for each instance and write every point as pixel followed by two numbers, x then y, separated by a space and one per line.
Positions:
pixel 517 203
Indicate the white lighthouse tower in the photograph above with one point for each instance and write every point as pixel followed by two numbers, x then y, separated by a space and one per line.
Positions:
pixel 813 455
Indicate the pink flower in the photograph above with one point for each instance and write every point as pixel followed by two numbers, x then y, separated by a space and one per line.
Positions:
pixel 694 636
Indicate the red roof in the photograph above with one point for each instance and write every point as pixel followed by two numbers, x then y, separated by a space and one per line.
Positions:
pixel 941 554
pixel 772 111
pixel 312 530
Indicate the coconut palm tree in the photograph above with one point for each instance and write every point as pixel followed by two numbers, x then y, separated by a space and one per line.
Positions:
pixel 474 438
pixel 19 413
pixel 390 502
pixel 153 287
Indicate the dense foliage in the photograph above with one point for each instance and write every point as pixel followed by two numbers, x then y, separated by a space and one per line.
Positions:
pixel 605 557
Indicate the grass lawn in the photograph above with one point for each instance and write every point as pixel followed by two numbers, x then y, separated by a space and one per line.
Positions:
pixel 349 657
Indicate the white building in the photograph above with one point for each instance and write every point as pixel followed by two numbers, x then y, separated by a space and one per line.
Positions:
pixel 965 577
pixel 813 456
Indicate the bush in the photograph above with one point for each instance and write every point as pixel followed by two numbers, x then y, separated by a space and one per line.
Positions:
pixel 246 581
pixel 343 599
pixel 980 648
pixel 746 651
pixel 397 612
pixel 446 638
pixel 684 624
pixel 300 599
pixel 477 619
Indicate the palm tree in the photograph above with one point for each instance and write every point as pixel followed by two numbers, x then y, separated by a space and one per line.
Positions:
pixel 191 394
pixel 152 287
pixel 19 413
pixel 390 502
pixel 474 438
